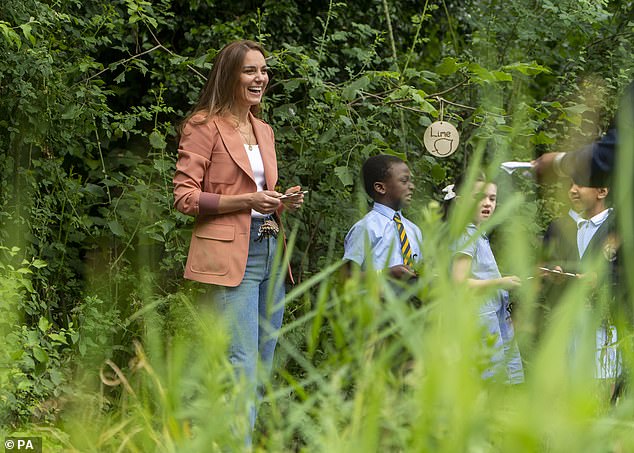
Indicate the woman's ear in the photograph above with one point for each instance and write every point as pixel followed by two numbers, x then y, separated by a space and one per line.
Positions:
pixel 379 187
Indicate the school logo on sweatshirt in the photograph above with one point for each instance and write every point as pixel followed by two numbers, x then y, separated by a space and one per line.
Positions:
pixel 610 247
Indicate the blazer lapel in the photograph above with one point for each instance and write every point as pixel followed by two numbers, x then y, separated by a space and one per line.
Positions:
pixel 600 236
pixel 267 150
pixel 234 144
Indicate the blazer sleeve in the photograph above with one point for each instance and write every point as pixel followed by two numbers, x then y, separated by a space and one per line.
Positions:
pixel 194 153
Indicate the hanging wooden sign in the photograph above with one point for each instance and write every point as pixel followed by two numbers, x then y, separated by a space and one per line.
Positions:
pixel 441 139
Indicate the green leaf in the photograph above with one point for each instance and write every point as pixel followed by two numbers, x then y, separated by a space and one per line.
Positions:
pixel 26 31
pixel 328 135
pixel 350 91
pixel 345 175
pixel 116 228
pixel 39 264
pixel 56 376
pixel 157 141
pixel 481 74
pixel 120 78
pixel 448 66
pixel 24 384
pixel 438 172
pixel 43 324
pixel 10 35
pixel 527 68
pixel 502 76
pixel 40 354
pixel 71 112
pixel 58 338
pixel 542 138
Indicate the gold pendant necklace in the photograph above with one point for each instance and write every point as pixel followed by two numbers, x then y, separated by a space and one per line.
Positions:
pixel 248 141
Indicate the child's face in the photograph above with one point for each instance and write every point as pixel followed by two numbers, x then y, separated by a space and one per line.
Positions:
pixel 586 199
pixel 397 189
pixel 486 194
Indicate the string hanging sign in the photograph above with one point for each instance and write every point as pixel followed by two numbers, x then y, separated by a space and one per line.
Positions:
pixel 441 138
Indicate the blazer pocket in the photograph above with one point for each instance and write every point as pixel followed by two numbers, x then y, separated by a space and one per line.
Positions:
pixel 222 169
pixel 212 249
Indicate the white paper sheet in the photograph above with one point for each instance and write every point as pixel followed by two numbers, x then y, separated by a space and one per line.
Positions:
pixel 511 166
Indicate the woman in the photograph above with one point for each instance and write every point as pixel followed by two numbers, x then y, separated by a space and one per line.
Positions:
pixel 225 176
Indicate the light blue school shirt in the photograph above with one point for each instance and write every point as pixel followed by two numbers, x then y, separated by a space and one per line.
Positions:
pixel 378 228
pixel 483 264
pixel 587 228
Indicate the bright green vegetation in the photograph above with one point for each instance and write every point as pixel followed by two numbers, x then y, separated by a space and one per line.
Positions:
pixel 103 347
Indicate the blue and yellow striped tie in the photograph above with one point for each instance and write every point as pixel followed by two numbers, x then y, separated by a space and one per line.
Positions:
pixel 406 250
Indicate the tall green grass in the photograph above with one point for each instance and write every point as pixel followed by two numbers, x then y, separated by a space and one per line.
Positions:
pixel 361 368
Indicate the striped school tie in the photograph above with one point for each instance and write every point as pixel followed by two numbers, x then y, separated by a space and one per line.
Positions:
pixel 406 250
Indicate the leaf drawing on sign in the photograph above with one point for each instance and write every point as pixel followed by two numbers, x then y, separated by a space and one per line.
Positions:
pixel 443 146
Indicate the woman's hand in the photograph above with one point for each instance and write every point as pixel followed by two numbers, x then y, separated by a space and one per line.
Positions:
pixel 295 202
pixel 265 202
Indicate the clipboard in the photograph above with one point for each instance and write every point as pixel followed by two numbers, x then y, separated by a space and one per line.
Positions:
pixel 553 271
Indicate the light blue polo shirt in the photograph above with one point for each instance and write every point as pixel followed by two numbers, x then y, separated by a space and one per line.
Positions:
pixel 483 264
pixel 378 228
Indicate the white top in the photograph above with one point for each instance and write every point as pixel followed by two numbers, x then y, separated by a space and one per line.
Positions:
pixel 257 167
pixel 587 228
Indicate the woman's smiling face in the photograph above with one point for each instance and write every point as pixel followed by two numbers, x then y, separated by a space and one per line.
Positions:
pixel 253 79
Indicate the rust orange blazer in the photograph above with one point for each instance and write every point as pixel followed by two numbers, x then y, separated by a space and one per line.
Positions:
pixel 212 162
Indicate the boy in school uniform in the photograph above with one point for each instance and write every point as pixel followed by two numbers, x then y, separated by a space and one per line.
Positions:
pixel 384 240
pixel 594 240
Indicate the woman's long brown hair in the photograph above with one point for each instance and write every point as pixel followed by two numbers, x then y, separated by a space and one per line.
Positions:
pixel 219 93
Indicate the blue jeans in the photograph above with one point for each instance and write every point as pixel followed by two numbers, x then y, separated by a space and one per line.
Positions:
pixel 252 316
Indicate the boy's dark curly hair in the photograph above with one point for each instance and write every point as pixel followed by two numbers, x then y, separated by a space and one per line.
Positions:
pixel 375 169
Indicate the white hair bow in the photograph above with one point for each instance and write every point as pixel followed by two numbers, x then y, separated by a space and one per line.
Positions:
pixel 449 193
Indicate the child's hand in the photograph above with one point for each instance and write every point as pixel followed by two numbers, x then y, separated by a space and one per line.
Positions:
pixel 510 282
pixel 402 272
pixel 556 278
pixel 590 279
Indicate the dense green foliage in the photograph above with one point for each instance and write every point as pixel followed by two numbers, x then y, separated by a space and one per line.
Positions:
pixel 91 94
